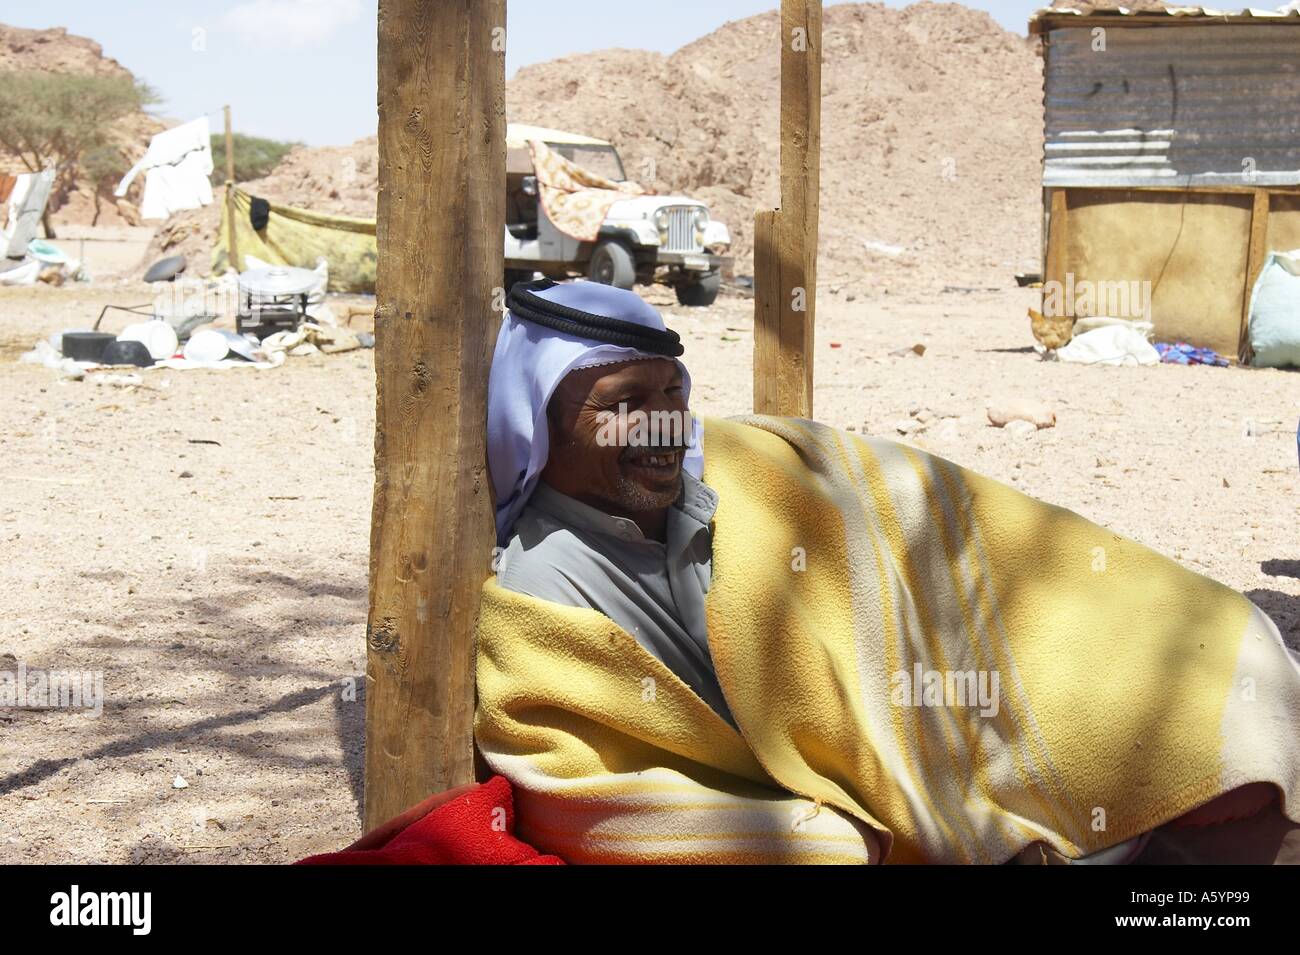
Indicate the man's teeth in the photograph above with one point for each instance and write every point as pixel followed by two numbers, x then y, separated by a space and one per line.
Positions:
pixel 656 460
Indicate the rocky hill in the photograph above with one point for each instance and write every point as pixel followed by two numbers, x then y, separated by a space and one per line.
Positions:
pixel 931 140
pixel 57 51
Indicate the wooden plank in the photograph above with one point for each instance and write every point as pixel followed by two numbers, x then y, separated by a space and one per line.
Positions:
pixel 1057 223
pixel 232 246
pixel 230 148
pixel 767 316
pixel 1254 263
pixel 785 293
pixel 440 220
pixel 1222 189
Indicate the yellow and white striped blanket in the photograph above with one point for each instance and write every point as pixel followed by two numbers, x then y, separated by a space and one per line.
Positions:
pixel 1120 689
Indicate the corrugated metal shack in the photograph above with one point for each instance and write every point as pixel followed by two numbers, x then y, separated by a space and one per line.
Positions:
pixel 1171 157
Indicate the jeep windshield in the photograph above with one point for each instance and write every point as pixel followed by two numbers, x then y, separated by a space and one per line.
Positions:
pixel 602 160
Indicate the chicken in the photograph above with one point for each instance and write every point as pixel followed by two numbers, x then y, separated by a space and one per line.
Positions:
pixel 1052 332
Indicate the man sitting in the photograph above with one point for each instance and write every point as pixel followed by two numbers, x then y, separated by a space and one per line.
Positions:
pixel 801 706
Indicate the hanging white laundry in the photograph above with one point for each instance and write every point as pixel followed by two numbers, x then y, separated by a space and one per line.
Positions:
pixel 177 167
pixel 26 206
pixel 22 186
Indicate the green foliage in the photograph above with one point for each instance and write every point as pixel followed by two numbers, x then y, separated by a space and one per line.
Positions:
pixel 105 166
pixel 57 118
pixel 255 157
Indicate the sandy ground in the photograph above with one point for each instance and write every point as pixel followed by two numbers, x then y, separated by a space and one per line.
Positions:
pixel 202 539
pixel 106 251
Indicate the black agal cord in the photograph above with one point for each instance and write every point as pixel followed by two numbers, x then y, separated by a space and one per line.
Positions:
pixel 522 303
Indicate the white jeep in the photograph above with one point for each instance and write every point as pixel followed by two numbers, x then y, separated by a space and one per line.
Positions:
pixel 669 240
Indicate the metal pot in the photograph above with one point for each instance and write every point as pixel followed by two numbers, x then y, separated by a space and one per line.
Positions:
pixel 86 346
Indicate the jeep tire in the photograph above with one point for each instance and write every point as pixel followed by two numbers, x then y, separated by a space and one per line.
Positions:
pixel 612 264
pixel 701 293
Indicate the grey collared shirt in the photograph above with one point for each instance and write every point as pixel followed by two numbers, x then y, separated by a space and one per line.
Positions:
pixel 571 553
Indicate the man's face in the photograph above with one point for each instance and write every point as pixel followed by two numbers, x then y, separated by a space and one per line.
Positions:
pixel 617 435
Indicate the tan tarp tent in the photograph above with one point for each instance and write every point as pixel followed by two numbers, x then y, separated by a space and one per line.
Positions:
pixel 299 237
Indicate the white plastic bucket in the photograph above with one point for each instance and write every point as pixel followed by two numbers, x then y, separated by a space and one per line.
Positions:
pixel 158 337
pixel 215 344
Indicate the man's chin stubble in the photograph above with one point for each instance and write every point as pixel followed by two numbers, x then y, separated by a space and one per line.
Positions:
pixel 635 497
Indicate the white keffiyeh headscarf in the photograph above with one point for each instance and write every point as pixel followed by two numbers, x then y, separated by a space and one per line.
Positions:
pixel 528 365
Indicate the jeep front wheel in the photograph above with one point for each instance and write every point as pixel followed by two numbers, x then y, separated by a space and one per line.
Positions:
pixel 611 264
pixel 701 293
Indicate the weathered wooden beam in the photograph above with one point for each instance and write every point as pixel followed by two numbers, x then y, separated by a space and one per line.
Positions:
pixel 1058 224
pixel 785 269
pixel 1212 189
pixel 440 220
pixel 1255 254
pixel 232 245
pixel 767 318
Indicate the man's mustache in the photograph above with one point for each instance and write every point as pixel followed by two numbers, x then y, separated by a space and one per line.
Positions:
pixel 642 450
pixel 663 432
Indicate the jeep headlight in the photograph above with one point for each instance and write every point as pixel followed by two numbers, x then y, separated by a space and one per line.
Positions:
pixel 701 221
pixel 660 220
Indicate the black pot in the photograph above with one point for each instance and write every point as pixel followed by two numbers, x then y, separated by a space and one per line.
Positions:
pixel 126 353
pixel 86 346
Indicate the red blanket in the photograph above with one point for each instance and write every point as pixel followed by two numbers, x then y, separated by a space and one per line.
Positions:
pixel 469 825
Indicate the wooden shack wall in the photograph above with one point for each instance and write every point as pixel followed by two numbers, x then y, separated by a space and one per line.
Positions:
pixel 1191 247
pixel 1200 249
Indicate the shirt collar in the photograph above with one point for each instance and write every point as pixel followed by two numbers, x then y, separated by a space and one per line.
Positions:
pixel 697 502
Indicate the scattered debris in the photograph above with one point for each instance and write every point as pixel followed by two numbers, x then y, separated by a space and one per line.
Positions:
pixel 118 380
pixel 1002 413
pixel 917 349
pixel 1181 353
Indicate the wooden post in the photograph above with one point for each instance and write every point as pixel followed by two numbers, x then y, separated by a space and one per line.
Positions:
pixel 440 222
pixel 1057 237
pixel 785 241
pixel 1257 249
pixel 233 242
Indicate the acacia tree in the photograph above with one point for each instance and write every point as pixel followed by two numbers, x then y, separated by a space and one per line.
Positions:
pixel 103 168
pixel 57 119
pixel 255 157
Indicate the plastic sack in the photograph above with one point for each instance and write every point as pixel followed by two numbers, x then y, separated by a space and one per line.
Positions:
pixel 1120 344
pixel 25 274
pixel 1275 312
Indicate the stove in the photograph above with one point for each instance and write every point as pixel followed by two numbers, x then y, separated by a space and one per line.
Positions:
pixel 273 299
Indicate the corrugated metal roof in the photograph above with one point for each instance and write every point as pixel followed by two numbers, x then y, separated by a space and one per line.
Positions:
pixel 1206 104
pixel 1040 21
